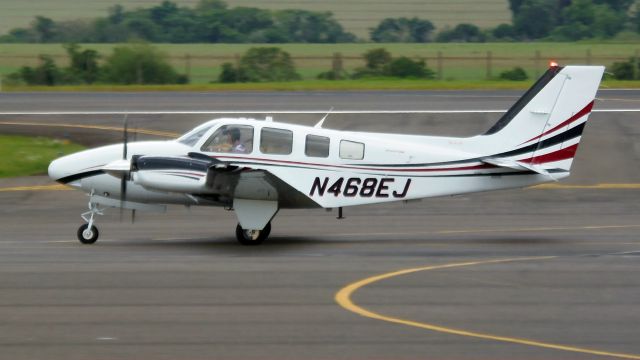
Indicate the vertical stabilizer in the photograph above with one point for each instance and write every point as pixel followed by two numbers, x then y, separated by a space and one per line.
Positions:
pixel 544 127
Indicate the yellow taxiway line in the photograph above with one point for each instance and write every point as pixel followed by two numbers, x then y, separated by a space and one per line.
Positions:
pixel 95 127
pixel 55 187
pixel 343 298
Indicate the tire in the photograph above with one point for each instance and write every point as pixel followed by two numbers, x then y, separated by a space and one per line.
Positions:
pixel 89 237
pixel 244 238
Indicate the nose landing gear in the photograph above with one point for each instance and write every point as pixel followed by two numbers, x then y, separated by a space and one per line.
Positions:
pixel 88 233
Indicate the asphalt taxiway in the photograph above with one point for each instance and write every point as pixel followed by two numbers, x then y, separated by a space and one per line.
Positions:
pixel 536 273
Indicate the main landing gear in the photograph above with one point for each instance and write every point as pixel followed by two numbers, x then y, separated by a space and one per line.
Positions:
pixel 252 237
pixel 88 233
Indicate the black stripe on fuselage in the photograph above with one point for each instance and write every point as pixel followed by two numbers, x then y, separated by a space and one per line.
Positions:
pixel 79 176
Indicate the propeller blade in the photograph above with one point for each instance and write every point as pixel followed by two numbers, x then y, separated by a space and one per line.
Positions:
pixel 123 191
pixel 123 181
pixel 125 137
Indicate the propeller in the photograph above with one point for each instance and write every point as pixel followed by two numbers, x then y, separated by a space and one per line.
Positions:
pixel 125 178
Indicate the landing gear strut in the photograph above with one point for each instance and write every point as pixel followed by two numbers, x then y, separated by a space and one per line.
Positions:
pixel 88 233
pixel 252 237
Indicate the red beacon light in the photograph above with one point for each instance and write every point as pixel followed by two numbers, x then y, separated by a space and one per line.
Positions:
pixel 553 64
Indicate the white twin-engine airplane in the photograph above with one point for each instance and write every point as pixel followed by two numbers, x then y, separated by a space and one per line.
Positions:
pixel 256 167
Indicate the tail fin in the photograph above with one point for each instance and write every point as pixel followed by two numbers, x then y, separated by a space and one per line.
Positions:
pixel 541 131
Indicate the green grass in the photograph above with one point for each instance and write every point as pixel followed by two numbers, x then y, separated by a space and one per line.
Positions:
pixel 22 156
pixel 356 16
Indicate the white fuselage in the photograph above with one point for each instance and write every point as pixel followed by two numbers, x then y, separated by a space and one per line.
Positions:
pixel 354 168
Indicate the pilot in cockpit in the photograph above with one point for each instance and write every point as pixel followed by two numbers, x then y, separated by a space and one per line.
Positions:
pixel 233 139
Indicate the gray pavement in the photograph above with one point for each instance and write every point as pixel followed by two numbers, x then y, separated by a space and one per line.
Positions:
pixel 176 285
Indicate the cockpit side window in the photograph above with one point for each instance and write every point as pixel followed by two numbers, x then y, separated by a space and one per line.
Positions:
pixel 191 138
pixel 230 139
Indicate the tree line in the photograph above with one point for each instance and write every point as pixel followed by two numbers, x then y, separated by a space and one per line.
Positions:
pixel 210 21
pixel 131 64
pixel 213 21
pixel 141 63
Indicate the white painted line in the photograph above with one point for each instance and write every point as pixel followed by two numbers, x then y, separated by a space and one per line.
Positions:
pixel 249 112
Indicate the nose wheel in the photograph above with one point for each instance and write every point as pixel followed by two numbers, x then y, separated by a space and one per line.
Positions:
pixel 88 235
pixel 252 237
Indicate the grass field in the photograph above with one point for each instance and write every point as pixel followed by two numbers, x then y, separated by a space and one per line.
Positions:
pixel 357 16
pixel 459 62
pixel 22 156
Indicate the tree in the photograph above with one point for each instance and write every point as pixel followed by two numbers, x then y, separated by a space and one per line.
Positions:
pixel 461 33
pixel 405 67
pixel 229 74
pixel 266 64
pixel 379 62
pixel 210 5
pixel 47 73
pixel 536 19
pixel 616 5
pixel 515 74
pixel 44 28
pixel 626 70
pixel 586 19
pixel 116 14
pixel 504 32
pixel 140 64
pixel 310 27
pixel 83 64
pixel 402 30
pixel 377 59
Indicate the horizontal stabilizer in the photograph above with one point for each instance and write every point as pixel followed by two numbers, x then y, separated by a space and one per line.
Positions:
pixel 516 165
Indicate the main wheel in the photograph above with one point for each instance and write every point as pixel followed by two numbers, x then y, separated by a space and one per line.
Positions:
pixel 86 235
pixel 252 237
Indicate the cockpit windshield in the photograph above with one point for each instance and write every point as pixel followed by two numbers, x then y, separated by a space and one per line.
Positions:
pixel 191 138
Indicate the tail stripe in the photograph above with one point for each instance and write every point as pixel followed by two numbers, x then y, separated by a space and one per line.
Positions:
pixel 562 154
pixel 585 111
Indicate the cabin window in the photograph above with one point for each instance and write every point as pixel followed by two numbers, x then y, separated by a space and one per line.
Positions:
pixel 236 139
pixel 276 141
pixel 317 146
pixel 351 150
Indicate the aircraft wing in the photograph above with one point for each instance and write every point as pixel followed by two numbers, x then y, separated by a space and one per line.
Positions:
pixel 211 179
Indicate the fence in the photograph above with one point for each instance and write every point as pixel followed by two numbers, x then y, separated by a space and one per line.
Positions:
pixel 477 66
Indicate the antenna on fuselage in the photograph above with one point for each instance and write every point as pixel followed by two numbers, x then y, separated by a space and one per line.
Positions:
pixel 319 124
